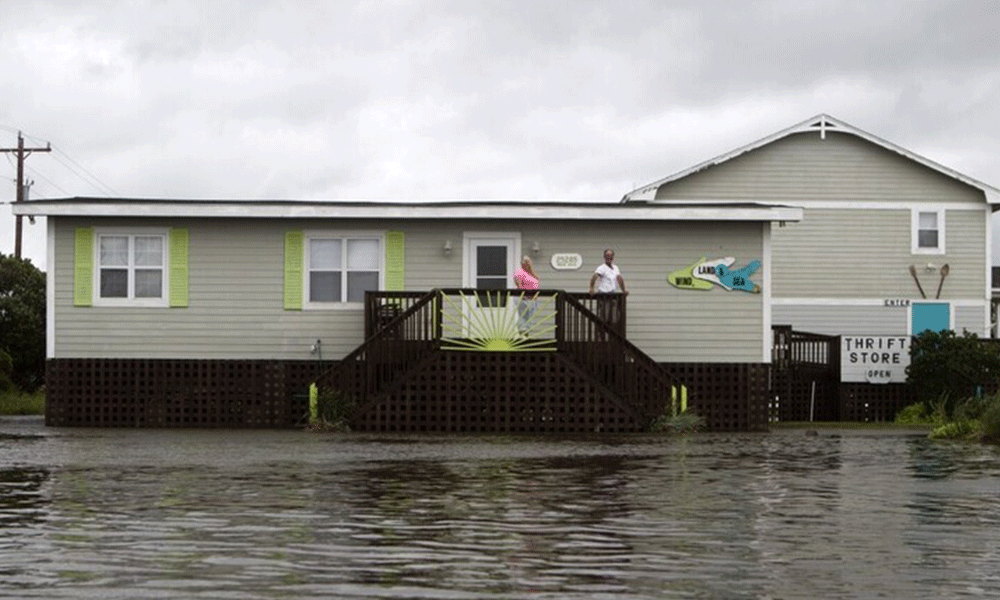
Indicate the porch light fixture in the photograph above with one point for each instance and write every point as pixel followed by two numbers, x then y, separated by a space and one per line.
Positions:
pixel 447 247
pixel 535 248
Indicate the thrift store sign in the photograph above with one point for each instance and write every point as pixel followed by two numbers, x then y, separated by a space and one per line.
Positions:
pixel 874 358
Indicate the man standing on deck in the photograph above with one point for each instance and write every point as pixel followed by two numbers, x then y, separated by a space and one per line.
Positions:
pixel 608 279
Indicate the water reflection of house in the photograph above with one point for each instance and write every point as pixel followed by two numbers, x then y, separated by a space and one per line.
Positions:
pixel 216 313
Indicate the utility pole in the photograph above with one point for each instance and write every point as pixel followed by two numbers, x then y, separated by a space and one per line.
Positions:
pixel 22 153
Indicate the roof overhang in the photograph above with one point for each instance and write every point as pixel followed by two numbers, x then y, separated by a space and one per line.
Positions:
pixel 486 210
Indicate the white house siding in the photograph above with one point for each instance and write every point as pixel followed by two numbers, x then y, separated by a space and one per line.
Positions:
pixel 804 166
pixel 842 319
pixel 849 253
pixel 236 288
pixel 972 318
pixel 869 318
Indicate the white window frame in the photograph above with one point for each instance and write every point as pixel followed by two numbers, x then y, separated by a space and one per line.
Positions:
pixel 130 299
pixel 308 304
pixel 915 230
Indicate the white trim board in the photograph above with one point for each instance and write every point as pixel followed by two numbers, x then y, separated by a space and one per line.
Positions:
pixel 489 211
pixel 50 291
pixel 870 301
pixel 845 204
pixel 766 291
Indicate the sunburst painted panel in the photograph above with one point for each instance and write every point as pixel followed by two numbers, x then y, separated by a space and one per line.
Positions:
pixel 489 321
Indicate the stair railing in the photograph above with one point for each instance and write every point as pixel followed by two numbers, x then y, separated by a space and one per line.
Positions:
pixel 594 342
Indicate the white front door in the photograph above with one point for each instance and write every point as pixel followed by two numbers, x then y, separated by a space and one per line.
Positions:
pixel 490 260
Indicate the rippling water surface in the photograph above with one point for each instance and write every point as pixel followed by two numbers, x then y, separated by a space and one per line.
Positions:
pixel 111 513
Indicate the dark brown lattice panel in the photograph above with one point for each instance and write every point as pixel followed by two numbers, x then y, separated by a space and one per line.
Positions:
pixel 454 392
pixel 867 402
pixel 801 391
pixel 177 393
pixel 730 396
pixel 497 392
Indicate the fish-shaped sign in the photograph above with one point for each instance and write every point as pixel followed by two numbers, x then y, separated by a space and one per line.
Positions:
pixel 704 274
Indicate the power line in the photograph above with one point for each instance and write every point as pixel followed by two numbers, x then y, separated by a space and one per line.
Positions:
pixel 94 181
pixel 47 180
pixel 66 161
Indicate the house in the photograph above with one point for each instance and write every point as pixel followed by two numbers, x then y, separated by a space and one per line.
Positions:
pixel 890 243
pixel 220 312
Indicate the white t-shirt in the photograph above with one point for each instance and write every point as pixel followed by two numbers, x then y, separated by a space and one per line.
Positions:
pixel 607 278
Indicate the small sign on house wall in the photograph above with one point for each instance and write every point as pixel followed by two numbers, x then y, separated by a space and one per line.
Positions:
pixel 566 261
pixel 896 302
pixel 874 358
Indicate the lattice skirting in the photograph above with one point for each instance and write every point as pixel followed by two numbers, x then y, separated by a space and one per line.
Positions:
pixel 866 402
pixel 497 392
pixel 177 393
pixel 802 392
pixel 538 392
pixel 730 396
pixel 458 391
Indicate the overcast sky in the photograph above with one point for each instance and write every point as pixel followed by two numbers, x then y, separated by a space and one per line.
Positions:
pixel 562 100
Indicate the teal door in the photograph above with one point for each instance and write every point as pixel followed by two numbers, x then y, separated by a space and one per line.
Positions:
pixel 935 316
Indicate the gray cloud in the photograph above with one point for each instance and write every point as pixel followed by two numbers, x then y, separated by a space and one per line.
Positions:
pixel 450 99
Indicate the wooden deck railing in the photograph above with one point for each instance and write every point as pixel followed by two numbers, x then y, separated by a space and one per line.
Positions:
pixel 592 341
pixel 401 340
pixel 403 329
pixel 796 348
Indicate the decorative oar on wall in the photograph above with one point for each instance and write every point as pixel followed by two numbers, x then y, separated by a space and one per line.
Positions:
pixel 913 271
pixel 944 273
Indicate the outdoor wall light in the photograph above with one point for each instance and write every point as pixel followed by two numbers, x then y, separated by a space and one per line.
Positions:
pixel 930 267
pixel 535 248
pixel 447 247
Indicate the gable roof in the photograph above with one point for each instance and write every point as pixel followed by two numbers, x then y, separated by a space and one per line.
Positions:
pixel 821 123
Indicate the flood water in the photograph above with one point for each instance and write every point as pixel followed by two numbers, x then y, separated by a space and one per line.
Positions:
pixel 112 513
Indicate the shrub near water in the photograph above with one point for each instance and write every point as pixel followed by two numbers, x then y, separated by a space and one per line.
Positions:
pixel 990 422
pixel 333 411
pixel 14 402
pixel 946 368
pixel 685 422
pixel 974 419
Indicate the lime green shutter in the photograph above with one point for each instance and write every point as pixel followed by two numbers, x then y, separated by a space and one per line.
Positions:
pixel 178 268
pixel 294 241
pixel 83 267
pixel 395 263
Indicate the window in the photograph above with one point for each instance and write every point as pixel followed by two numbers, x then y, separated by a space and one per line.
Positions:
pixel 131 268
pixel 341 269
pixel 928 231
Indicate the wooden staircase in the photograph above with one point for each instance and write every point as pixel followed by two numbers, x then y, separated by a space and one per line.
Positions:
pixel 401 379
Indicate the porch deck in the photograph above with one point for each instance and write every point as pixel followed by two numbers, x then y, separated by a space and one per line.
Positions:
pixel 462 360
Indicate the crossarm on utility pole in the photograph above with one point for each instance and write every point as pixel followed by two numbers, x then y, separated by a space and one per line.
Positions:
pixel 22 153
